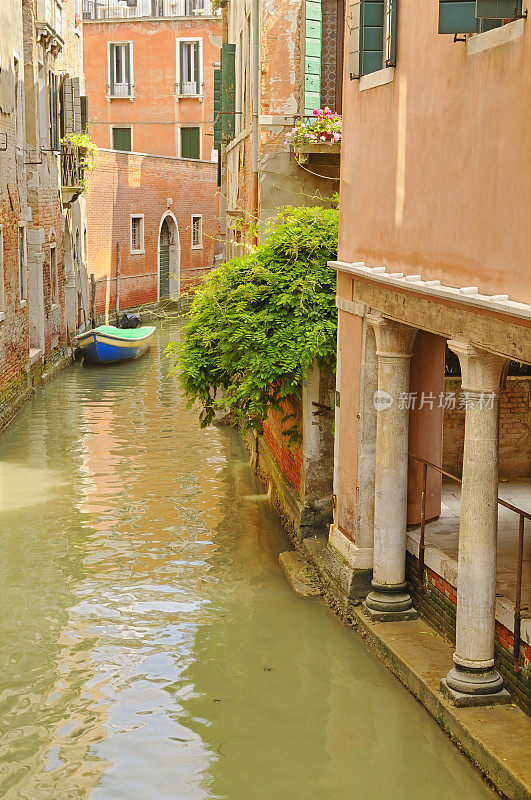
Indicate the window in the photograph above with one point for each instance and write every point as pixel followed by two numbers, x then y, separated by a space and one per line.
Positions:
pixel 372 36
pixel 2 301
pixel 54 276
pixel 197 231
pixel 476 16
pixel 43 111
pixel 121 139
pixel 137 233
pixel 190 142
pixel 22 263
pixel 120 69
pixel 190 77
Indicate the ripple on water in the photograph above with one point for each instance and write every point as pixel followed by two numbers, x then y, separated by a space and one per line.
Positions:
pixel 151 647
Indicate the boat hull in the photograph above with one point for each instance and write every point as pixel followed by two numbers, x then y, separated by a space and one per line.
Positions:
pixel 104 349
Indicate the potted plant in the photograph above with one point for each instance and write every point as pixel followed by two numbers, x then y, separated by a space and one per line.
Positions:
pixel 322 134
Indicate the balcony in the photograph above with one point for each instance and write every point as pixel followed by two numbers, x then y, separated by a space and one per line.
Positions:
pixel 72 173
pixel 120 90
pixel 136 9
pixel 192 89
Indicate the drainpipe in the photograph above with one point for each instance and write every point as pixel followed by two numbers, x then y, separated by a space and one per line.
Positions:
pixel 256 105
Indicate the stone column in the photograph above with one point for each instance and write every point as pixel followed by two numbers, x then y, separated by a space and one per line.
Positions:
pixel 473 680
pixel 389 598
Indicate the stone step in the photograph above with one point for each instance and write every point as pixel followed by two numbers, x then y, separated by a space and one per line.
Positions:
pixel 301 575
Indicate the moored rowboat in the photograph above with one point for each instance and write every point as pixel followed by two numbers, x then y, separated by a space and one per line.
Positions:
pixel 106 344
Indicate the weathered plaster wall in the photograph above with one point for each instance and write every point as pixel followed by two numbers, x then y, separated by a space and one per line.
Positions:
pixel 435 164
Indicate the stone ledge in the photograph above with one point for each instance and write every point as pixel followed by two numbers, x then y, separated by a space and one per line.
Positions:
pixel 496 739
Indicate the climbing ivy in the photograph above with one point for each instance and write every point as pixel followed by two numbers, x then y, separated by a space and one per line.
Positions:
pixel 258 323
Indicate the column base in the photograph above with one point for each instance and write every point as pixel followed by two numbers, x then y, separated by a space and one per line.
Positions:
pixel 389 603
pixel 478 692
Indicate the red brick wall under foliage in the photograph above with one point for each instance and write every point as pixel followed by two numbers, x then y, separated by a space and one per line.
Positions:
pixel 289 459
pixel 128 183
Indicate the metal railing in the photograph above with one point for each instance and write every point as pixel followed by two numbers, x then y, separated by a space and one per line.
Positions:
pixel 189 89
pixel 72 169
pixel 121 89
pixel 132 9
pixel 523 515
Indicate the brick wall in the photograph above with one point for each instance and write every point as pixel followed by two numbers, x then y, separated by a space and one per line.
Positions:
pixel 437 603
pixel 289 459
pixel 329 44
pixel 128 183
pixel 515 430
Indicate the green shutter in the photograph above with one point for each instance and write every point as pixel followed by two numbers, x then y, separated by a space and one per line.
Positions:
pixel 312 56
pixel 457 16
pixel 228 91
pixel 190 142
pixel 372 24
pixel 498 9
pixel 217 109
pixel 121 139
pixel 354 38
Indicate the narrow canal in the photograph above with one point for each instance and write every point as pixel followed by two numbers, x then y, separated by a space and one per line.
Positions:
pixel 151 646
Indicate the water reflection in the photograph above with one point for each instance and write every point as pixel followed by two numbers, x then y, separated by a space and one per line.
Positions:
pixel 151 647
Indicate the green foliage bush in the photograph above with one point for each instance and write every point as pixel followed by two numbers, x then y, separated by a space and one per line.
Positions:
pixel 258 323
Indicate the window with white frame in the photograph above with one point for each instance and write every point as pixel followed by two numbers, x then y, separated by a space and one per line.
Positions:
pixel 120 69
pixel 2 300
pixel 22 263
pixel 197 231
pixel 137 233
pixel 54 275
pixel 190 68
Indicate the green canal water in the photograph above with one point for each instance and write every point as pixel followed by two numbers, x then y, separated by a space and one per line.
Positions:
pixel 151 648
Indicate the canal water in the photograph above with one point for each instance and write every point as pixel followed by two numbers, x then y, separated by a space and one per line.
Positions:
pixel 151 647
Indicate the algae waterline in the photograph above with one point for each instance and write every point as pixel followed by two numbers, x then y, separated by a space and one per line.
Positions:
pixel 152 647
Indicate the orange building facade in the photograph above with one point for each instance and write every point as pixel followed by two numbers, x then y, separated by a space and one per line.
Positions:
pixel 433 270
pixel 150 81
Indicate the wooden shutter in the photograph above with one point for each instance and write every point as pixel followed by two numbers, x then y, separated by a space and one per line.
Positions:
pixel 128 68
pixel 391 53
pixel 228 91
pixel 354 38
pixel 372 24
pixel 498 9
pixel 181 66
pixel 197 71
pixel 190 144
pixel 84 114
pixel 312 56
pixel 457 16
pixel 112 57
pixel 121 139
pixel 77 105
pixel 217 109
pixel 67 116
pixel 53 91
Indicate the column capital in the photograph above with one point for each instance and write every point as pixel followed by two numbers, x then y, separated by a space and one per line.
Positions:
pixel 481 371
pixel 392 338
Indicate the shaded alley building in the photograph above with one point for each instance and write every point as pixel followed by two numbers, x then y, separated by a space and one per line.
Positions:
pixel 280 61
pixel 153 203
pixel 43 236
pixel 433 270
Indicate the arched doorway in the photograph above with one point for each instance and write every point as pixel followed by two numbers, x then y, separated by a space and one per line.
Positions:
pixel 169 258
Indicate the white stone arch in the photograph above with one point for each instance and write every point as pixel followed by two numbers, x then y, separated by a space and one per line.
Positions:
pixel 175 257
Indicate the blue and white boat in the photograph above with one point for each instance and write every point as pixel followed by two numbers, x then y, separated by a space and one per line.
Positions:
pixel 107 344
